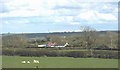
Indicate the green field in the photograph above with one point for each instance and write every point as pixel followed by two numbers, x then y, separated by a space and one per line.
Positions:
pixel 58 62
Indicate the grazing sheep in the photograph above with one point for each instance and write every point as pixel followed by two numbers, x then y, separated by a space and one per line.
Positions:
pixel 35 61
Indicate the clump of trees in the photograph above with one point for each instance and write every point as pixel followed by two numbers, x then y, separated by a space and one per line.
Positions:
pixel 14 41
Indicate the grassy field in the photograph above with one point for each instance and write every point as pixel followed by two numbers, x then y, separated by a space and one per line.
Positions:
pixel 58 62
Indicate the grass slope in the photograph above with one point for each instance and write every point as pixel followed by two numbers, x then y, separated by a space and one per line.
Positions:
pixel 58 62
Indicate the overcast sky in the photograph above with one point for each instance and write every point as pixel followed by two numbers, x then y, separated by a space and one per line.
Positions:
pixel 20 16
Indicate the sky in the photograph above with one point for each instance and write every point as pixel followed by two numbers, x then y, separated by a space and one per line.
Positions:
pixel 43 16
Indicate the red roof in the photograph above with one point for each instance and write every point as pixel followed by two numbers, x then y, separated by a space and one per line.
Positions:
pixel 51 44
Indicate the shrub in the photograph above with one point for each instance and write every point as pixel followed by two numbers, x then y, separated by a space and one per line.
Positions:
pixel 54 53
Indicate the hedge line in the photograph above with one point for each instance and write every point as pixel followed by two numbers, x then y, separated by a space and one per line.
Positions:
pixel 55 53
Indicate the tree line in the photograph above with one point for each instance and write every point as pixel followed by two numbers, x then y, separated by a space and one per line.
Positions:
pixel 89 38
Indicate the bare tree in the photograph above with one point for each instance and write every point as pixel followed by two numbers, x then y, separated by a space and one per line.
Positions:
pixel 112 37
pixel 90 36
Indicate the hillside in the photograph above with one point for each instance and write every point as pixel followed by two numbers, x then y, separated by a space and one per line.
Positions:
pixel 38 35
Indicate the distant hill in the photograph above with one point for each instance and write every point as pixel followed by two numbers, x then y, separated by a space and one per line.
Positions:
pixel 37 35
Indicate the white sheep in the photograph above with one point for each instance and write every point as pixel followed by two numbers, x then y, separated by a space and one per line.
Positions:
pixel 35 61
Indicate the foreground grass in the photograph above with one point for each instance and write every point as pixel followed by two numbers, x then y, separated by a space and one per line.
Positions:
pixel 58 62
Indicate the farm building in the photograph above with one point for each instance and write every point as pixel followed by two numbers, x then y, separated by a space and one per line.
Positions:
pixel 50 44
pixel 42 45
